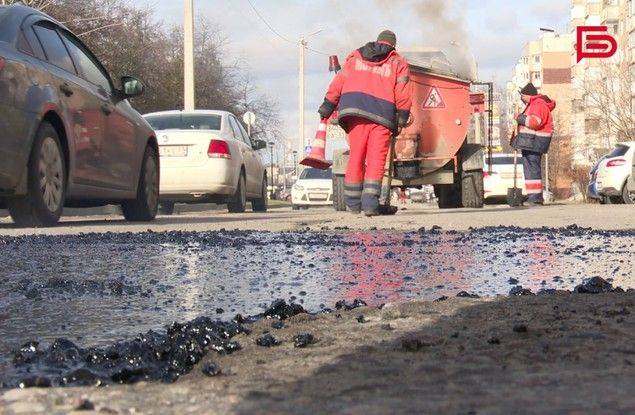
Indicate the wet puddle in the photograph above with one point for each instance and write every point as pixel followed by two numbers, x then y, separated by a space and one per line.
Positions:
pixel 94 289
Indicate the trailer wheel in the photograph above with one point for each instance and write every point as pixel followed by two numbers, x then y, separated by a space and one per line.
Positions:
pixel 472 194
pixel 339 201
pixel 448 196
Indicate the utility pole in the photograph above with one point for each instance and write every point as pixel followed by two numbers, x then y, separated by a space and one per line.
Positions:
pixel 303 45
pixel 284 167
pixel 301 138
pixel 188 57
pixel 271 144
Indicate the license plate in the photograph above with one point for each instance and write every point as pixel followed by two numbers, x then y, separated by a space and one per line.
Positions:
pixel 318 197
pixel 173 151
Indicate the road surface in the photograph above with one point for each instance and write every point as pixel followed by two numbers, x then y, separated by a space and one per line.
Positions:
pixel 413 217
pixel 97 281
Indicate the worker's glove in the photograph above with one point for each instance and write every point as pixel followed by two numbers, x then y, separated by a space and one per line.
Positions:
pixel 521 119
pixel 326 109
pixel 403 116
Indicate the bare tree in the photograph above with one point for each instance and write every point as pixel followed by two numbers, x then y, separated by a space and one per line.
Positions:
pixel 74 13
pixel 607 89
pixel 560 160
pixel 36 4
pixel 129 41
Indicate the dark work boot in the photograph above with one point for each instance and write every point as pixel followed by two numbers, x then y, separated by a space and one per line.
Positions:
pixel 370 204
pixel 370 198
pixel 387 210
pixel 353 196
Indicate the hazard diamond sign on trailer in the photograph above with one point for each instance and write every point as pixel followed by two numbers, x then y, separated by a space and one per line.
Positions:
pixel 434 99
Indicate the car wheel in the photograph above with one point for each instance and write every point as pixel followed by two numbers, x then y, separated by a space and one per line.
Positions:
pixel 144 207
pixel 472 189
pixel 628 196
pixel 261 204
pixel 615 200
pixel 46 183
pixel 339 198
pixel 448 196
pixel 238 202
pixel 166 208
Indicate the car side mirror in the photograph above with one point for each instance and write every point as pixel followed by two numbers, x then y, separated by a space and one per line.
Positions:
pixel 131 87
pixel 259 145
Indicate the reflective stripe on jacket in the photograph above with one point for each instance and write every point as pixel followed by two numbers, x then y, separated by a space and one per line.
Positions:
pixel 535 125
pixel 377 90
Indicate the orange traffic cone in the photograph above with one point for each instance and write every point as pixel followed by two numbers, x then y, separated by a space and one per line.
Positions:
pixel 317 156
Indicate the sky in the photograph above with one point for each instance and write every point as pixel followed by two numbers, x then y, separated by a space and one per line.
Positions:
pixel 492 31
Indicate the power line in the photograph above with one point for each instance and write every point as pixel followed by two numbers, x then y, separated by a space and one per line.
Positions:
pixel 268 25
pixel 275 32
pixel 316 51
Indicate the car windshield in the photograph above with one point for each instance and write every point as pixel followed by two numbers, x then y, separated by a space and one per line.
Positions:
pixel 313 174
pixel 185 122
pixel 618 151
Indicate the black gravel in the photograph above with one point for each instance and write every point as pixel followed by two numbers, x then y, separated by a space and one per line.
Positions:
pixel 211 369
pixel 89 289
pixel 303 340
pixel 151 356
pixel 267 340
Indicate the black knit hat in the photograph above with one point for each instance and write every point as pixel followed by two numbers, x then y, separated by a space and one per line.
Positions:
pixel 388 37
pixel 529 89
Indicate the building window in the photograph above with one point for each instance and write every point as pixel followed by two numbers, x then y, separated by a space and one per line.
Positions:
pixel 591 126
pixel 537 59
pixel 578 105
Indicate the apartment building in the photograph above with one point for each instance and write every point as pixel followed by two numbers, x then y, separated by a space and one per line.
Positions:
pixel 546 62
pixel 603 89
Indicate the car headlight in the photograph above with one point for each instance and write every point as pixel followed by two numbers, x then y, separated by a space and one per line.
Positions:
pixel 298 187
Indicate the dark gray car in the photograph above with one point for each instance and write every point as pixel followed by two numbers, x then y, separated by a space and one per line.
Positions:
pixel 68 137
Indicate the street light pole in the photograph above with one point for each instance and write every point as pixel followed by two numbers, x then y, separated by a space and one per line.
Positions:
pixel 284 167
pixel 271 144
pixel 303 44
pixel 188 57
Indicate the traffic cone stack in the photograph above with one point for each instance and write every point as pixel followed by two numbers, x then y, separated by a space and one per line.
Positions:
pixel 317 155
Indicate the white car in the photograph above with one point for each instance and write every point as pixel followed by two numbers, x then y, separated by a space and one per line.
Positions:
pixel 314 187
pixel 207 156
pixel 615 176
pixel 501 178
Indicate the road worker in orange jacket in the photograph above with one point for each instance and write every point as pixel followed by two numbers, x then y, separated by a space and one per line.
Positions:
pixel 535 129
pixel 373 96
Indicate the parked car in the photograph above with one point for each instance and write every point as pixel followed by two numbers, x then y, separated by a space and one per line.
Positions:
pixel 69 137
pixel 207 156
pixel 592 188
pixel 501 178
pixel 314 187
pixel 615 178
pixel 423 195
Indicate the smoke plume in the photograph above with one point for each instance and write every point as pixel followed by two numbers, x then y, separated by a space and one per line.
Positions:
pixel 438 25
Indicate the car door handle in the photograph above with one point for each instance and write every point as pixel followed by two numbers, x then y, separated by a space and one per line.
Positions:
pixel 106 109
pixel 66 89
